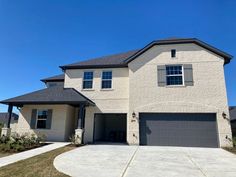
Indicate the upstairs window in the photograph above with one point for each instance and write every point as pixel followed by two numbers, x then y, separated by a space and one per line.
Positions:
pixel 106 79
pixel 173 53
pixel 174 75
pixel 88 80
pixel 42 116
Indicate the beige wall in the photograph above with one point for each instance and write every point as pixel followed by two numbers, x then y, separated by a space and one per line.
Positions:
pixel 207 95
pixel 114 100
pixel 60 128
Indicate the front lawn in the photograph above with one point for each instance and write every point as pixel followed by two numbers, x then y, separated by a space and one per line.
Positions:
pixel 38 166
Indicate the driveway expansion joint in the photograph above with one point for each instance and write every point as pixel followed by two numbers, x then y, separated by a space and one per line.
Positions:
pixel 195 164
pixel 130 161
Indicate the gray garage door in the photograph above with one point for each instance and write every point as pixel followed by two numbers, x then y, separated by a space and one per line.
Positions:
pixel 178 129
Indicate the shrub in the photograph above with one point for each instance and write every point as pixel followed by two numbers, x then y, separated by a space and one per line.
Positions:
pixel 74 140
pixel 16 142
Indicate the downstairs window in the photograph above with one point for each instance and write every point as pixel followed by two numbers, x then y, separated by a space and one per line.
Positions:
pixel 42 116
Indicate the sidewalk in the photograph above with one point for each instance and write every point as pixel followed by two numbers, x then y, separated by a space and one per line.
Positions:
pixel 30 153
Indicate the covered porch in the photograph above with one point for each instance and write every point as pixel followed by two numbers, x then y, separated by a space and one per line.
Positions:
pixel 110 128
pixel 56 112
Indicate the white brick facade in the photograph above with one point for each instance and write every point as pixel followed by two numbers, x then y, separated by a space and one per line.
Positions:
pixel 208 94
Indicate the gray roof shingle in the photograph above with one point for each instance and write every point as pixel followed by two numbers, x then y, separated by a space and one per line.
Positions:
pixel 122 59
pixel 57 78
pixel 51 95
pixel 116 60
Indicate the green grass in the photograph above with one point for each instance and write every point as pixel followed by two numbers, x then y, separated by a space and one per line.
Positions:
pixel 38 166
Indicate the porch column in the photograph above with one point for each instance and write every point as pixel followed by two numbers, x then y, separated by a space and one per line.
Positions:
pixel 81 116
pixel 80 126
pixel 6 131
pixel 9 115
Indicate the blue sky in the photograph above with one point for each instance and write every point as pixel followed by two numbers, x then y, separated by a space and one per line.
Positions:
pixel 38 36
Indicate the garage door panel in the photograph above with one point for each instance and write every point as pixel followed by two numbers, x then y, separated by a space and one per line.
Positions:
pixel 174 129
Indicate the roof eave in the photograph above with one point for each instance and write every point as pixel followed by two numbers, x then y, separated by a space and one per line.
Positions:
pixel 22 103
pixel 94 66
pixel 52 80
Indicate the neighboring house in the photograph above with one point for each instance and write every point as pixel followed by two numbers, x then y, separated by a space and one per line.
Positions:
pixel 232 112
pixel 170 93
pixel 4 120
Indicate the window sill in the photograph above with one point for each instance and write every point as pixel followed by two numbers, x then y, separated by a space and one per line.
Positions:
pixel 87 89
pixel 110 89
pixel 174 86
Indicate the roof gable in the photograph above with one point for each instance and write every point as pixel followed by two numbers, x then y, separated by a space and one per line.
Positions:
pixel 227 57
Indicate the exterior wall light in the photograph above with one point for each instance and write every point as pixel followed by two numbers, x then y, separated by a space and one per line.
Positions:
pixel 224 115
pixel 133 115
pixel 228 138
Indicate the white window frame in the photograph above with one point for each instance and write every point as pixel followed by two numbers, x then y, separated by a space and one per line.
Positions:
pixel 37 118
pixel 176 75
pixel 87 80
pixel 107 80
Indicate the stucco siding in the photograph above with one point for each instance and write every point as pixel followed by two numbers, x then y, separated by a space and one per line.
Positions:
pixel 208 94
pixel 115 99
pixel 59 117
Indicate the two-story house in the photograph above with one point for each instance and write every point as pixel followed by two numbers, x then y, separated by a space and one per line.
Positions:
pixel 169 93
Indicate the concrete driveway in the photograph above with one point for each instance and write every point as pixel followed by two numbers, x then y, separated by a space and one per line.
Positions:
pixel 148 161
